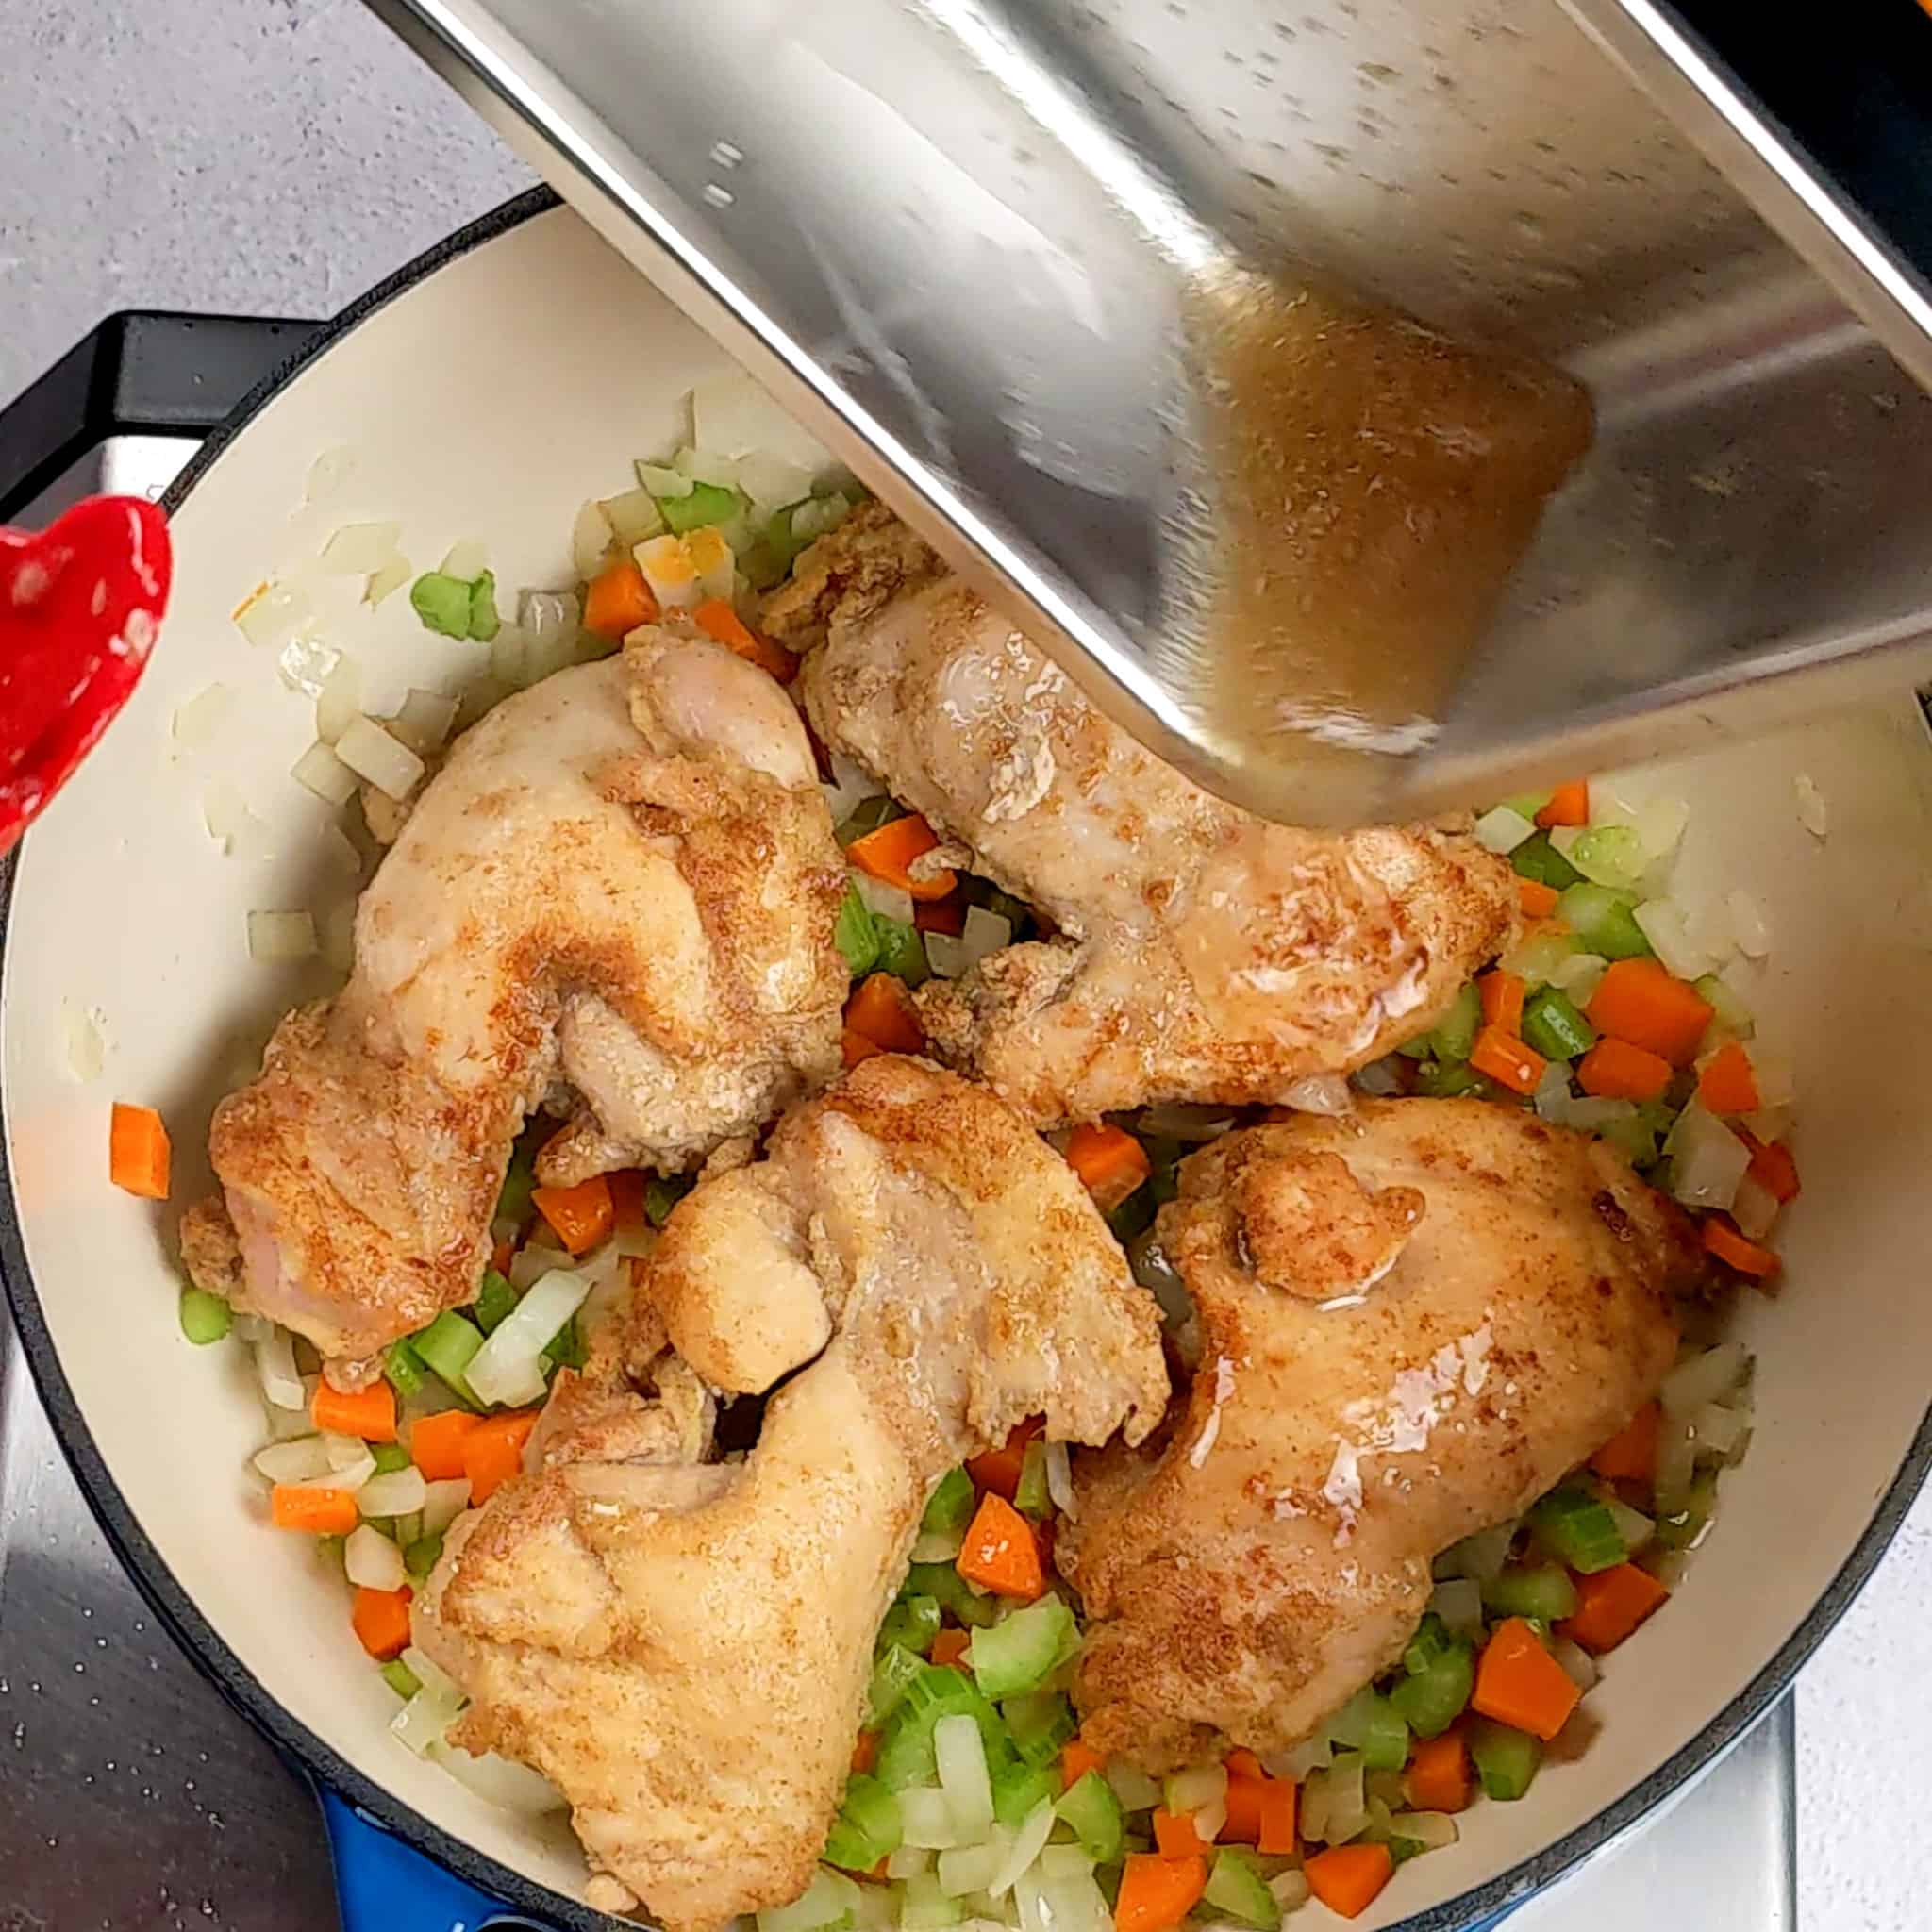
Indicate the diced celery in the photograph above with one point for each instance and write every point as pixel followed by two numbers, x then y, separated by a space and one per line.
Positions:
pixel 1604 920
pixel 447 1347
pixel 950 1506
pixel 1020 1651
pixel 912 1622
pixel 1431 1641
pixel 1030 1497
pixel 894 1667
pixel 1681 1529
pixel 1552 1024
pixel 703 503
pixel 867 1828
pixel 1019 1788
pixel 421 1556
pixel 1575 1527
pixel 405 1369
pixel 1609 854
pixel 519 1184
pixel 1367 1723
pixel 1506 1760
pixel 1454 1033
pixel 954 1593
pixel 906 1750
pixel 389 1457
pixel 409 1530
pixel 495 1299
pixel 1449 1080
pixel 401 1679
pixel 926 1907
pixel 1536 859
pixel 901 950
pixel 443 603
pixel 565 1349
pixel 1544 1591
pixel 1236 1887
pixel 484 622
pixel 1092 1807
pixel 1727 1010
pixel 662 1193
pixel 1039 1723
pixel 1430 1700
pixel 1503 828
pixel 856 933
pixel 868 815
pixel 205 1317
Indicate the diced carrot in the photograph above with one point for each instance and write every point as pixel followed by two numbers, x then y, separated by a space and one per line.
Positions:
pixel 370 1412
pixel 1728 1083
pixel 947 915
pixel 854 1047
pixel 881 1012
pixel 381 1619
pixel 1349 1878
pixel 1569 805
pixel 1174 1836
pixel 1243 1825
pixel 1000 1552
pixel 493 1452
pixel 1278 1799
pixel 138 1151
pixel 1615 1070
pixel 320 1512
pixel 950 1646
pixel 1158 1894
pixel 888 852
pixel 1773 1167
pixel 865 1753
pixel 717 619
pixel 1637 1001
pixel 1503 994
pixel 627 1187
pixel 1630 1455
pixel 581 1216
pixel 1241 1763
pixel 1507 1061
pixel 1609 1605
pixel 1537 900
pixel 1110 1162
pixel 1735 1250
pixel 1519 1683
pixel 1437 1776
pixel 618 599
pixel 999 1469
pixel 435 1443
pixel 1077 1757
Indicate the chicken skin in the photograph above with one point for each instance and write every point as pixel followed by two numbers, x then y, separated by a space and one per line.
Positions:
pixel 1414 1321
pixel 618 897
pixel 1203 954
pixel 684 1649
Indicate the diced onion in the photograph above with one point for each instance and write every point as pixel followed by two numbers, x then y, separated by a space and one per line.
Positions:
pixel 373 1562
pixel 1579 975
pixel 927 1820
pixel 1755 1208
pixel 1133 1788
pixel 1059 1480
pixel 1720 1431
pixel 1552 1096
pixel 1197 1788
pixel 1313 1754
pixel 1633 1525
pixel 329 473
pixel 590 539
pixel 386 581
pixel 1291 1889
pixel 1460 1604
pixel 1436 1830
pixel 1663 926
pixel 338 936
pixel 272 613
pixel 466 562
pixel 830 1899
pixel 1577 1663
pixel 961 1755
pixel 422 1722
pixel 197 722
pixel 632 516
pixel 888 901
pixel 86 1044
pixel 664 479
pixel 299 1461
pixel 549 619
pixel 508 1367
pixel 339 702
pixel 232 825
pixel 423 721
pixel 501 1781
pixel 1750 930
pixel 1503 830
pixel 370 752
pixel 908 1862
pixel 819 514
pixel 1707 1160
pixel 277 937
pixel 399 1492
pixel 1774 1078
pixel 986 933
pixel 1537 960
pixel 1348 1806
pixel 1320 1093
pixel 707 466
pixel 849 788
pixel 731 413
pixel 442 1502
pixel 532 1262
pixel 275 1364
pixel 1704 1378
pixel 1480 1557
pixel 436 1681
pixel 772 483
pixel 1028 1842
pixel 1813 813
pixel 318 770
pixel 357 550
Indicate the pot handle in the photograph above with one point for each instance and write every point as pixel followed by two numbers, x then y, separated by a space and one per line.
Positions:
pixel 383 1885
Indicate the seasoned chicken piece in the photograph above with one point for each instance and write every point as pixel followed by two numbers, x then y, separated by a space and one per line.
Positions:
pixel 618 894
pixel 1204 953
pixel 684 1652
pixel 1414 1321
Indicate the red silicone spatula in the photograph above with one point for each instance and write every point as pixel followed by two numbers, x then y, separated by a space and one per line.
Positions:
pixel 80 605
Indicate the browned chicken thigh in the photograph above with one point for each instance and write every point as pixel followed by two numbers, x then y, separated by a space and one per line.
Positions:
pixel 618 897
pixel 1414 1321
pixel 684 1649
pixel 1204 953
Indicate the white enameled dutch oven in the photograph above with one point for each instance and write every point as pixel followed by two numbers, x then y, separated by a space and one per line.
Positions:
pixel 483 396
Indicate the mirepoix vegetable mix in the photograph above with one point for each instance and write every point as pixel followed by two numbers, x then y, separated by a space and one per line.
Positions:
pixel 1618 1012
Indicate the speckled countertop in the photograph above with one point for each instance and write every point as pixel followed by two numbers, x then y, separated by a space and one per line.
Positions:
pixel 275 156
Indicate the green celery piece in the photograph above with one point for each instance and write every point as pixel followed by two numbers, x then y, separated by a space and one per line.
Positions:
pixel 405 1369
pixel 443 603
pixel 1431 1639
pixel 1536 859
pixel 1610 854
pixel 1030 1495
pixel 926 1907
pixel 912 1622
pixel 1542 1591
pixel 856 933
pixel 1506 1760
pixel 205 1317
pixel 329 1552
pixel 1400 1850
pixel 1236 1888
pixel 495 1299
pixel 1454 1033
pixel 1134 1216
pixel 1421 1047
pixel 1602 917
pixel 1577 1526
pixel 1678 1532
pixel 1021 1650
pixel 519 1184
pixel 662 1193
pixel 565 1349
pixel 1552 1024
pixel 901 950
pixel 867 1828
pixel 1430 1700
pixel 906 1748
pixel 955 1593
pixel 707 503
pixel 1039 1722
pixel 484 622
pixel 890 1672
pixel 868 815
pixel 1446 1081
pixel 401 1679
pixel 1093 1809
pixel 1020 1789
pixel 389 1457
pixel 447 1347
pixel 1635 1139
pixel 983 893
pixel 1525 804
pixel 421 1557
pixel 1367 1723
pixel 951 1504
pixel 409 1530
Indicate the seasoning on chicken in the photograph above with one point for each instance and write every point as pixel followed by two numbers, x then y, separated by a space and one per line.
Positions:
pixel 1414 1321
pixel 684 1652
pixel 1202 952
pixel 619 894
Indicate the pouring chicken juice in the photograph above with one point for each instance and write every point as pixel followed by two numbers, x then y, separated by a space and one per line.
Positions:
pixel 925 1323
